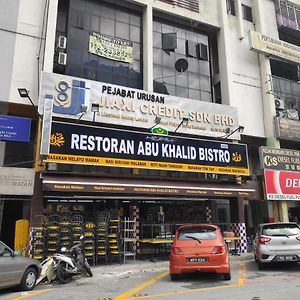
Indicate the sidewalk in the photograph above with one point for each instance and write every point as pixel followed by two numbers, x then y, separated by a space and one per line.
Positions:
pixel 138 265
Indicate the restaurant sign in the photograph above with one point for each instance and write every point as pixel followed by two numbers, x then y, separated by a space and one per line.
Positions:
pixel 282 185
pixel 88 145
pixel 88 100
pixel 280 159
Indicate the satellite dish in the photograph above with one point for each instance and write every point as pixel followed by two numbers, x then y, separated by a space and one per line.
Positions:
pixel 181 65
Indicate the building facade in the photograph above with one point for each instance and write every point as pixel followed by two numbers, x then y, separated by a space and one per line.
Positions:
pixel 164 112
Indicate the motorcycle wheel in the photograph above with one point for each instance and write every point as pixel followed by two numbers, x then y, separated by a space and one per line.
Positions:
pixel 88 270
pixel 62 276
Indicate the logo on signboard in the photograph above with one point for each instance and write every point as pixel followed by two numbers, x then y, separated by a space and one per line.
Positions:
pixel 160 130
pixel 57 139
pixel 236 157
pixel 70 97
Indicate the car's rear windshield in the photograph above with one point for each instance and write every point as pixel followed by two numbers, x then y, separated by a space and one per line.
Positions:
pixel 281 230
pixel 197 233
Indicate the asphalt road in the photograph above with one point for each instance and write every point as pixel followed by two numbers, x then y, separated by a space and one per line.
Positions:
pixel 150 280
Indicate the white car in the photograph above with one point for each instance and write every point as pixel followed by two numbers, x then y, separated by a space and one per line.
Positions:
pixel 277 243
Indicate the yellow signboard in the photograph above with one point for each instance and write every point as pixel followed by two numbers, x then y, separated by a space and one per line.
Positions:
pixel 132 163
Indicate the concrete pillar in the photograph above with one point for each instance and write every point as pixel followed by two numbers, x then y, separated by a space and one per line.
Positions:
pixel 224 50
pixel 240 20
pixel 283 208
pixel 37 201
pixel 50 36
pixel 269 112
pixel 148 48
pixel 241 211
pixel 276 212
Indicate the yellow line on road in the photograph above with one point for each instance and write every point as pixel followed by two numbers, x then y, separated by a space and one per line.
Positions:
pixel 141 286
pixel 188 292
pixel 30 294
pixel 130 294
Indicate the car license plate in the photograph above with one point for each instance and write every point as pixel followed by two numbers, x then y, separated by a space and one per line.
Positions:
pixel 286 258
pixel 197 260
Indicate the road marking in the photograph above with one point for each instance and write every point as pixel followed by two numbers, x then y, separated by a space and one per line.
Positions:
pixel 189 291
pixel 242 272
pixel 141 286
pixel 30 294
pixel 134 295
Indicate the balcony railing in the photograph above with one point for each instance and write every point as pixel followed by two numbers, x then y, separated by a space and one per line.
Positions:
pixel 287 15
pixel 192 5
pixel 286 89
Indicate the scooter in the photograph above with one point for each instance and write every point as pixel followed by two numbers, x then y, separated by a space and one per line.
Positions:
pixel 63 267
pixel 67 266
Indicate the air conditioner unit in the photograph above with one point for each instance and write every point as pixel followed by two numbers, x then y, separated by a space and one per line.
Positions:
pixel 279 103
pixel 62 42
pixel 62 58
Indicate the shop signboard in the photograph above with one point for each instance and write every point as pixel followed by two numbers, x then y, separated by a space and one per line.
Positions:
pixel 287 129
pixel 14 129
pixel 89 145
pixel 74 97
pixel 111 47
pixel 282 185
pixel 270 46
pixel 280 159
pixel 16 181
pixel 188 190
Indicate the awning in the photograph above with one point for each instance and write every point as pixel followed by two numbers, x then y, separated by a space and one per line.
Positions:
pixel 93 185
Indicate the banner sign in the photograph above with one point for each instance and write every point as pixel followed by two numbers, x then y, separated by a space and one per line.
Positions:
pixel 280 159
pixel 78 144
pixel 14 129
pixel 141 187
pixel 73 98
pixel 111 47
pixel 270 46
pixel 282 185
pixel 287 129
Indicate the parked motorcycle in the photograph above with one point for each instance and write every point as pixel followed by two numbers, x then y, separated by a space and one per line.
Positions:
pixel 65 266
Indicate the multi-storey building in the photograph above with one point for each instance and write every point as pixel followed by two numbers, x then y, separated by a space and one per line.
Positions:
pixel 117 73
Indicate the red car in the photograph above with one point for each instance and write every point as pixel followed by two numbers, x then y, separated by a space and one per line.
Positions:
pixel 199 247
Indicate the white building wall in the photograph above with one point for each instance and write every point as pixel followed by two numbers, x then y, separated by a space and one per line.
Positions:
pixel 23 20
pixel 24 38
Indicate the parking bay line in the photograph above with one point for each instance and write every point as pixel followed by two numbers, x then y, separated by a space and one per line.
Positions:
pixel 125 296
pixel 141 286
pixel 30 294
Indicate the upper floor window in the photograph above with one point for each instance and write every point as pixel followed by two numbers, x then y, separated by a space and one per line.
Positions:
pixel 247 13
pixel 231 7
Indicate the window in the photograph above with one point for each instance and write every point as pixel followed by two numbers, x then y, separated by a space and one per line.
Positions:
pixel 280 230
pixel 198 234
pixel 109 20
pixel 247 13
pixel 231 7
pixel 191 45
pixel 169 41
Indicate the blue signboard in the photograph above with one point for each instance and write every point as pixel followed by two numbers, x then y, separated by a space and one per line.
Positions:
pixel 14 129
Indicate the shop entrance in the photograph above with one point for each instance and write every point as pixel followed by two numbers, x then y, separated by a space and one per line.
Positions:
pixel 12 211
pixel 159 219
